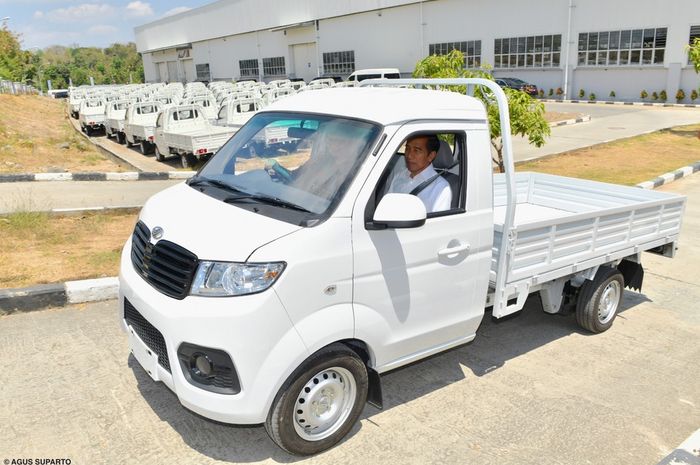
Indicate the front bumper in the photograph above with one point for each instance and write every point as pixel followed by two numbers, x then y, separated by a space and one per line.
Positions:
pixel 255 331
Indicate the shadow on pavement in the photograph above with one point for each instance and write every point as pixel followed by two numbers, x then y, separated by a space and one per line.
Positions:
pixel 497 341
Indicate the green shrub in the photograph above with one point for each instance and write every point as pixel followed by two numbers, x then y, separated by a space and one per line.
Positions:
pixel 662 96
pixel 559 91
pixel 612 94
pixel 541 93
pixel 551 92
pixel 654 96
pixel 680 95
pixel 581 93
pixel 643 94
pixel 591 97
pixel 694 95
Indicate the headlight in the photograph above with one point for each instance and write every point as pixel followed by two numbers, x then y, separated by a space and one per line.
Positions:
pixel 220 279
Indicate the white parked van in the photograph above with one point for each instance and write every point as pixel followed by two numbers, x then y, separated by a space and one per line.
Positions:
pixel 277 289
pixel 377 73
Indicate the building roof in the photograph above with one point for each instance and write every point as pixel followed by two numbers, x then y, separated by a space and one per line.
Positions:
pixel 231 17
pixel 384 105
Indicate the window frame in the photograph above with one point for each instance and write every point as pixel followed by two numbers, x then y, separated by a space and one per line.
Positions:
pixel 381 187
pixel 338 63
pixel 273 65
pixel 540 51
pixel 471 60
pixel 639 47
pixel 247 70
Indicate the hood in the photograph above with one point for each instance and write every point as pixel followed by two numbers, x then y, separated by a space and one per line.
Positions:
pixel 210 228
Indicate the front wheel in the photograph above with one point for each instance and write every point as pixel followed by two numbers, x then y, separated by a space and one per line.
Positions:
pixel 187 160
pixel 320 402
pixel 599 300
pixel 159 156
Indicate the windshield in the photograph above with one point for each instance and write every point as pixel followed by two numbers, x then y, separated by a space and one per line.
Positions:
pixel 297 160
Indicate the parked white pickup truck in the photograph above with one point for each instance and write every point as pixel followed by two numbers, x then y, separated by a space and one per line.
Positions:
pixel 235 113
pixel 277 293
pixel 140 124
pixel 184 131
pixel 92 115
pixel 115 113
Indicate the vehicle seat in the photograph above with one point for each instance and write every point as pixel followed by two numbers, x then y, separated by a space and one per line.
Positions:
pixel 442 163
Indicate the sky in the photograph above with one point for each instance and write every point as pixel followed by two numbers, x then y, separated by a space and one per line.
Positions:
pixel 98 23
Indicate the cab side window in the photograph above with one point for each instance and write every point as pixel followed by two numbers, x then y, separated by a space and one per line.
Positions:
pixel 431 166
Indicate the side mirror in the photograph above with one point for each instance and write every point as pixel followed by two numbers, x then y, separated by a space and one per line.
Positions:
pixel 399 211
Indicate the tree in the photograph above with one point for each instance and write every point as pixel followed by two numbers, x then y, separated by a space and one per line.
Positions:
pixel 694 54
pixel 526 114
pixel 13 60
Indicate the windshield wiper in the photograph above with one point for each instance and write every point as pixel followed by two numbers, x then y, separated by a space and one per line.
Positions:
pixel 270 200
pixel 212 182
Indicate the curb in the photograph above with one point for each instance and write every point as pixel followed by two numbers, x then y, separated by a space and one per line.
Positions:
pixel 688 453
pixel 95 176
pixel 610 102
pixel 57 295
pixel 670 177
pixel 568 122
pixel 94 290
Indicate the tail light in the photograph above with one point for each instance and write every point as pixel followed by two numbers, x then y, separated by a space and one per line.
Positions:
pixel 202 151
pixel 151 138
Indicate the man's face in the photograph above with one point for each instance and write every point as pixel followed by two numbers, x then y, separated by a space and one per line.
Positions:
pixel 418 156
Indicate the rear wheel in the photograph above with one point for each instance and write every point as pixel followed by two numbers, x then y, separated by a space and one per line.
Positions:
pixel 120 137
pixel 599 300
pixel 146 147
pixel 320 402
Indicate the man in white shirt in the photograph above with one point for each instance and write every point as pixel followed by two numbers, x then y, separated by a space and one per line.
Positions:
pixel 417 170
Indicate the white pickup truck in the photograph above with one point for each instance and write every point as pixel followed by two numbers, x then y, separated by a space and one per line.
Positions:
pixel 279 296
pixel 92 115
pixel 115 113
pixel 140 124
pixel 236 112
pixel 185 131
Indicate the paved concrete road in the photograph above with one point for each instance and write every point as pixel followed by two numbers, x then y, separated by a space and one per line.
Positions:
pixel 41 196
pixel 533 389
pixel 609 122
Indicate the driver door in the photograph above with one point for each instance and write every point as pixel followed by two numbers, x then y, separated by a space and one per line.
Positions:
pixel 421 290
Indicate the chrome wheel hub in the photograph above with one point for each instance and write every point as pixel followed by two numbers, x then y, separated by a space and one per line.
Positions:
pixel 609 299
pixel 324 403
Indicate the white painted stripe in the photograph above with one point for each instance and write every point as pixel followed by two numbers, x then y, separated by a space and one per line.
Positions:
pixel 181 174
pixel 53 176
pixel 75 210
pixel 687 170
pixel 126 176
pixel 668 177
pixel 92 290
pixel 646 185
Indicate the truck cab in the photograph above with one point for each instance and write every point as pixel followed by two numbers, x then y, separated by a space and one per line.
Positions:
pixel 92 115
pixel 277 287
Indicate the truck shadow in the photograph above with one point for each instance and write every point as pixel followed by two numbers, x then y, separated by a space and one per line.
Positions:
pixel 497 342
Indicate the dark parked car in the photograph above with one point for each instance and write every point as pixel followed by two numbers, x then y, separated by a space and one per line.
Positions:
pixel 517 84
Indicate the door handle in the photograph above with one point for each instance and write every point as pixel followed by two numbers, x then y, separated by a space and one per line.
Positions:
pixel 454 250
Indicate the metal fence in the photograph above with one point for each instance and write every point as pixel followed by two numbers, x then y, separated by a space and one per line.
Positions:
pixel 16 88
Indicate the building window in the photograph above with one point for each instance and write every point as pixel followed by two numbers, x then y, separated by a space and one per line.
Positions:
pixel 471 50
pixel 249 68
pixel 203 73
pixel 339 62
pixel 633 47
pixel 528 52
pixel 694 34
pixel 274 66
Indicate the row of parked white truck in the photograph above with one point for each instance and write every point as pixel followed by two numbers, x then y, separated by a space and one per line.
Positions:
pixel 189 121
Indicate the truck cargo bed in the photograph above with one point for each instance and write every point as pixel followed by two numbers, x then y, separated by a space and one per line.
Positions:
pixel 564 225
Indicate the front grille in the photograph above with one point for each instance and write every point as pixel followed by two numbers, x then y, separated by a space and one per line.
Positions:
pixel 164 265
pixel 148 334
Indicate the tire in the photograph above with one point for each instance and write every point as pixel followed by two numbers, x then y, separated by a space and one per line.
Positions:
pixel 187 160
pixel 599 300
pixel 333 380
pixel 145 147
pixel 159 156
pixel 121 139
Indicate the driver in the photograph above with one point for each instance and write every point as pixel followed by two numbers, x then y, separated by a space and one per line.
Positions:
pixel 418 177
